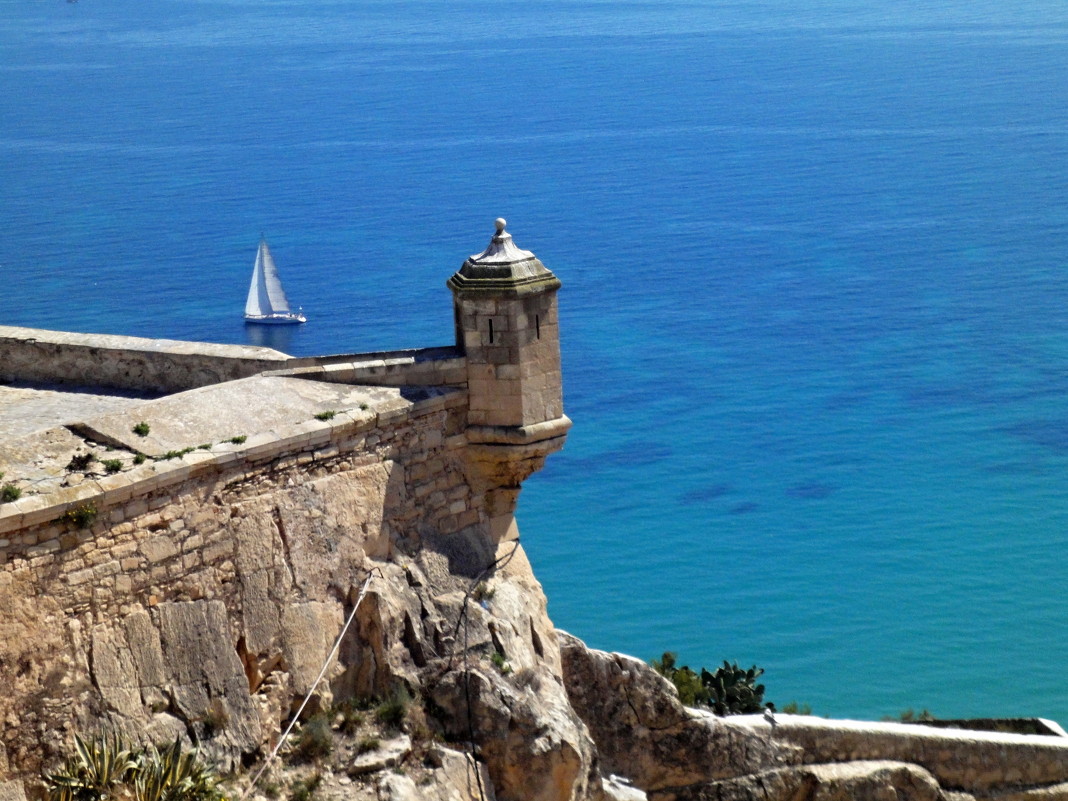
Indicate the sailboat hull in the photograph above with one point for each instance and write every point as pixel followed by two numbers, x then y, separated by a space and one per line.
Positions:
pixel 292 318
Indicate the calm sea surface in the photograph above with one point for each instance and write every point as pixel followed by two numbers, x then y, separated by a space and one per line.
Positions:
pixel 815 304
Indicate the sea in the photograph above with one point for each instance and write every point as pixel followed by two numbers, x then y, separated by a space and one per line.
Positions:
pixel 814 309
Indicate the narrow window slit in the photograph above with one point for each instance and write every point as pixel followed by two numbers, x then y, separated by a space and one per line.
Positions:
pixel 491 331
pixel 537 326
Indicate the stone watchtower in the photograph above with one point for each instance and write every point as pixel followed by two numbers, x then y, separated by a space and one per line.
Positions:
pixel 507 328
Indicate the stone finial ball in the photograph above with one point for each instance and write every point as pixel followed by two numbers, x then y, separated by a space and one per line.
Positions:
pixel 500 222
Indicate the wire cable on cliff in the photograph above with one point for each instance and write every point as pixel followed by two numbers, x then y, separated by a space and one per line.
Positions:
pixel 464 620
pixel 319 678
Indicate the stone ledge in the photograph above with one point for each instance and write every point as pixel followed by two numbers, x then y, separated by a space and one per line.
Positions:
pixel 519 435
pixel 974 761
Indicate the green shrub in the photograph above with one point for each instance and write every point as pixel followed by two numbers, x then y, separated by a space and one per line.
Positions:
pixel 329 415
pixel 304 790
pixel 368 744
pixel 729 690
pixel 112 465
pixel 9 493
pixel 139 458
pixel 141 429
pixel 174 454
pixel 393 710
pixel 239 440
pixel 316 739
pixel 83 515
pixel 351 717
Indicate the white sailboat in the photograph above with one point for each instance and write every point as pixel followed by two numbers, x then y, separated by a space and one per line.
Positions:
pixel 267 302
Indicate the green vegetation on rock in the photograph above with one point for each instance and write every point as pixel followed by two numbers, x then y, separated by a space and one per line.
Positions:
pixel 105 767
pixel 729 690
pixel 82 515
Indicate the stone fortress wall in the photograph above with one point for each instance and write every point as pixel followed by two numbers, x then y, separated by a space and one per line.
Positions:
pixel 195 589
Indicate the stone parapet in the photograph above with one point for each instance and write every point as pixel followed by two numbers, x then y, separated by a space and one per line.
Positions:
pixel 976 762
pixel 422 367
pixel 103 360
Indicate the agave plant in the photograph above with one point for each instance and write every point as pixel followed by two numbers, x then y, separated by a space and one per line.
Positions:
pixel 100 769
pixel 105 769
pixel 172 774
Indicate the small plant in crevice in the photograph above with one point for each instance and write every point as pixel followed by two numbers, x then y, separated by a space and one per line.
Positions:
pixel 139 458
pixel 206 446
pixel 304 789
pixel 483 592
pixel 238 440
pixel 83 515
pixel 9 493
pixel 392 711
pixel 80 461
pixel 368 744
pixel 141 429
pixel 174 454
pixel 499 662
pixel 112 465
pixel 327 415
pixel 316 739
pixel 364 407
pixel 349 717
pixel 215 719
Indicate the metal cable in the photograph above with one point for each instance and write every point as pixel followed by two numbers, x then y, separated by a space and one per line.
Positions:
pixel 322 672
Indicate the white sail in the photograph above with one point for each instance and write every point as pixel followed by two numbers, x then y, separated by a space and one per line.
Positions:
pixel 265 294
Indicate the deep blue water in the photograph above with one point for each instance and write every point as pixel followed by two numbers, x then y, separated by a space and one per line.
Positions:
pixel 815 305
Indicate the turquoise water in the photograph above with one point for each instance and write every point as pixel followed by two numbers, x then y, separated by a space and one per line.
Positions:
pixel 814 324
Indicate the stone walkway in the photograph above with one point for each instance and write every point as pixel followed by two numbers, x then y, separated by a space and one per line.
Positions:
pixel 26 409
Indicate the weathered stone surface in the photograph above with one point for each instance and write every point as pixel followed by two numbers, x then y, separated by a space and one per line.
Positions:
pixel 534 746
pixel 114 671
pixel 643 732
pixel 12 791
pixel 1056 792
pixel 455 779
pixel 616 788
pixel 388 753
pixel 206 680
